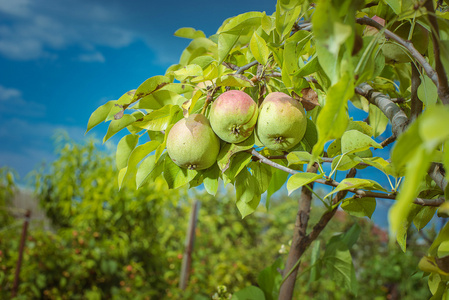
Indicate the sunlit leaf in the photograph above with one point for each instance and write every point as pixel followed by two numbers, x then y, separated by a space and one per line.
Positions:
pixel 359 207
pixel 259 49
pixel 100 114
pixel 177 176
pixel 300 179
pixel 189 33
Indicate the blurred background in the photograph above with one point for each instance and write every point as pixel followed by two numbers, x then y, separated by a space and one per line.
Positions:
pixel 89 240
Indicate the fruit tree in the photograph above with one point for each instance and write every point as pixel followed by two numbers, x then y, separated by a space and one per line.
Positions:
pixel 307 96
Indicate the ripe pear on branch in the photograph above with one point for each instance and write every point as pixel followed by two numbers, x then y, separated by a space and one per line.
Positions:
pixel 282 122
pixel 192 144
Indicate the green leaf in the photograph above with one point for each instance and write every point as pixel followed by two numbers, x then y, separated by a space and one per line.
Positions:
pixel 189 33
pixel 134 159
pixel 345 162
pixel 262 173
pixel 300 179
pixel 247 193
pixel 338 262
pixel 203 61
pixel 269 279
pixel 249 293
pixel 286 19
pixel 354 141
pixel 333 118
pixel 210 179
pixel 424 216
pixel 442 236
pixel 238 163
pixel 117 125
pixel 259 49
pixel 149 86
pixel 188 71
pixel 242 24
pixel 124 149
pixel 228 150
pixel 159 99
pixel 234 80
pixel 149 170
pixel 176 176
pixel 226 42
pixel 100 114
pixel 160 119
pixel 359 207
pixel 278 179
pixel 356 183
pixel 377 120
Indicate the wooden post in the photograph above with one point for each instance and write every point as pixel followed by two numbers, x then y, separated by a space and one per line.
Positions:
pixel 21 248
pixel 188 246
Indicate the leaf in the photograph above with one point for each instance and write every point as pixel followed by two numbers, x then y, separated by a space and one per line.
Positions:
pixel 247 193
pixel 124 149
pixel 424 216
pixel 278 179
pixel 242 24
pixel 228 150
pixel 377 120
pixel 354 141
pixel 176 176
pixel 286 19
pixel 189 33
pixel 234 80
pixel 117 125
pixel 203 61
pixel 249 293
pixel 210 179
pixel 159 99
pixel 188 71
pixel 99 115
pixel 259 48
pixel 226 42
pixel 159 120
pixel 134 159
pixel 237 164
pixel 345 162
pixel 333 118
pixel 149 170
pixel 262 174
pixel 149 86
pixel 356 183
pixel 338 262
pixel 359 207
pixel 300 179
pixel 270 278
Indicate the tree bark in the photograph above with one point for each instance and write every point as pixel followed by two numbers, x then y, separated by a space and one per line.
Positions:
pixel 299 242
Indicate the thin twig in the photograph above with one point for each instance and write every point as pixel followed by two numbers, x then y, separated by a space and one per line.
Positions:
pixel 246 67
pixel 416 106
pixel 388 141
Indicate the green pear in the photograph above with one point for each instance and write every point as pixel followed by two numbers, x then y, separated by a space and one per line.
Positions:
pixel 233 116
pixel 395 53
pixel 192 144
pixel 282 122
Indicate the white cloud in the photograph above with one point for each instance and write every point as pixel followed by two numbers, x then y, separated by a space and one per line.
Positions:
pixel 32 31
pixel 92 57
pixel 12 102
pixel 8 93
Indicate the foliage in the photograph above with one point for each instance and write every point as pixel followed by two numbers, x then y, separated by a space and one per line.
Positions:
pixel 7 190
pixel 325 54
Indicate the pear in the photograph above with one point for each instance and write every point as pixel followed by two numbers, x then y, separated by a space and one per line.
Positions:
pixel 192 144
pixel 233 116
pixel 282 122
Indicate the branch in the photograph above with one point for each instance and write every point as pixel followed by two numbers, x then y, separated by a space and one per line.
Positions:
pixel 442 85
pixel 398 121
pixel 407 44
pixel 388 141
pixel 359 193
pixel 416 106
pixel 299 242
pixel 246 67
pixel 327 216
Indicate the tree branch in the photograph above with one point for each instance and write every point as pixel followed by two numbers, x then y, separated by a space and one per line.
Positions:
pixel 359 193
pixel 443 86
pixel 407 44
pixel 399 123
pixel 299 241
pixel 416 106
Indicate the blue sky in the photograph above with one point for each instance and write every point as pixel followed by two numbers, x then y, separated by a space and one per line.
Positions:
pixel 61 59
